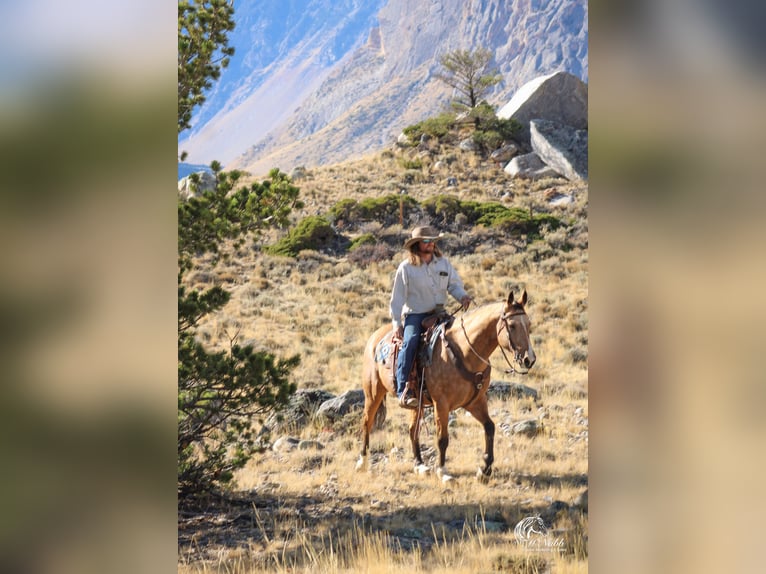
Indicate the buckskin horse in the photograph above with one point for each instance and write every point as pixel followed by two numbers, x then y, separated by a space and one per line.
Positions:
pixel 458 376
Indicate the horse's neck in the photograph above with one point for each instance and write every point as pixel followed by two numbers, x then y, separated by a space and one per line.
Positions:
pixel 480 328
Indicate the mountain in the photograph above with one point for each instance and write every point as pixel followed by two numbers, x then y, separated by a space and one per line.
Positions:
pixel 316 82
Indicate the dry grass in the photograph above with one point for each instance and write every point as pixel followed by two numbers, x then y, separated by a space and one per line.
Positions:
pixel 307 510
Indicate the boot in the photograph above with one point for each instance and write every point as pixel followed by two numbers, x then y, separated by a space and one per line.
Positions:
pixel 408 400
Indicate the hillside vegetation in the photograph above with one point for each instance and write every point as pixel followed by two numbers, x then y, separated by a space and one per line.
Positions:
pixel 318 289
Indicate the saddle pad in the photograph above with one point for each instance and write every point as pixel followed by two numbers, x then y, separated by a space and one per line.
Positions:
pixel 383 350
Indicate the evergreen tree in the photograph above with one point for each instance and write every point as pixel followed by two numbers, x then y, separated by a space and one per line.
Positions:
pixel 219 392
pixel 467 72
pixel 203 51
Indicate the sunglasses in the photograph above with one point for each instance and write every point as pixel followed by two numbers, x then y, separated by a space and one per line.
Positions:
pixel 426 240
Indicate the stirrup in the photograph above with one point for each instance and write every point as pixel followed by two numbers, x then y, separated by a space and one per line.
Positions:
pixel 408 400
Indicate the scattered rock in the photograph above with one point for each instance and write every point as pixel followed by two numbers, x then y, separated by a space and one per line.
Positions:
pixel 310 444
pixel 505 390
pixel 298 172
pixel 467 145
pixel 187 188
pixel 301 408
pixel 337 407
pixel 285 443
pixel 529 427
pixel 529 166
pixel 505 153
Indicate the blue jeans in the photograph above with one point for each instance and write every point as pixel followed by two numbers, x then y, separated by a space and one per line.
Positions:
pixel 412 331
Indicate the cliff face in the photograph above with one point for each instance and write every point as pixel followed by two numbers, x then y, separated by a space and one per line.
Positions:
pixel 346 85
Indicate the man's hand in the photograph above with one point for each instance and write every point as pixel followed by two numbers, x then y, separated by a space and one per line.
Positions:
pixel 399 332
pixel 466 302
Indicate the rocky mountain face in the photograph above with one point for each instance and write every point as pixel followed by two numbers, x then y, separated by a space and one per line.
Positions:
pixel 316 82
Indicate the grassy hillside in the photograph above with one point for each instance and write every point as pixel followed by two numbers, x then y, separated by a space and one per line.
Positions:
pixel 307 510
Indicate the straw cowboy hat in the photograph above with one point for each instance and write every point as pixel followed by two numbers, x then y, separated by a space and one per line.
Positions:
pixel 420 233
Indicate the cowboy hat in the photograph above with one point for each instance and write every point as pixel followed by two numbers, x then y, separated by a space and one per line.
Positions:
pixel 420 233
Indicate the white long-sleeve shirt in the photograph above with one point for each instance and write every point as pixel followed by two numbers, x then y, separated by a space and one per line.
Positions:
pixel 421 288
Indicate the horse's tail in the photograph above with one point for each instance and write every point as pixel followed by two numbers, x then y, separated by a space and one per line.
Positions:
pixel 380 416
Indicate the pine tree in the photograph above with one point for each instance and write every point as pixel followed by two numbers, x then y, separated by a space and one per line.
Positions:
pixel 219 392
pixel 467 72
pixel 203 51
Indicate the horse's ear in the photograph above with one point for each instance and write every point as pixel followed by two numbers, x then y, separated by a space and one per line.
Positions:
pixel 524 298
pixel 510 299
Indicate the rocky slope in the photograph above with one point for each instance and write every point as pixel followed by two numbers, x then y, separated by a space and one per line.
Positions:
pixel 344 79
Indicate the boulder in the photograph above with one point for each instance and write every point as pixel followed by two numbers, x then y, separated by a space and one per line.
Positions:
pixel 506 390
pixel 299 411
pixel 505 153
pixel 529 427
pixel 529 166
pixel 559 97
pixel 561 147
pixel 467 145
pixel 338 407
pixel 187 188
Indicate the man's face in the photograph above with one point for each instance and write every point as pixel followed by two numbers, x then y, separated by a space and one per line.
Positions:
pixel 426 246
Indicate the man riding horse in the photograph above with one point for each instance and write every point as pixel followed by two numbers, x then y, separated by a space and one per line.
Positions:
pixel 421 284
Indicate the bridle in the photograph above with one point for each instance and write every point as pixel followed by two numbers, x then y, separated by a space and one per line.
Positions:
pixel 504 318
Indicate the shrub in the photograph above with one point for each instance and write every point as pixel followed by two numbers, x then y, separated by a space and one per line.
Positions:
pixel 366 239
pixel 384 210
pixel 366 254
pixel 410 163
pixel 313 232
pixel 438 127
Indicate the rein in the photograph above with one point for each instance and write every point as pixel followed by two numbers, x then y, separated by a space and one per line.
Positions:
pixel 482 359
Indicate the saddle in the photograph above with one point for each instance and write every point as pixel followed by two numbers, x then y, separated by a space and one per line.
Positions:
pixel 434 327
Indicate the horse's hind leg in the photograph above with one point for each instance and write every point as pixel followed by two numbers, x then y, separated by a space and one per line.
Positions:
pixel 441 416
pixel 372 402
pixel 480 412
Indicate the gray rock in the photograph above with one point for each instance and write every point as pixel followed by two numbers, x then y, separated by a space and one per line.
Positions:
pixel 529 166
pixel 285 443
pixel 529 427
pixel 505 390
pixel 467 145
pixel 187 188
pixel 310 444
pixel 558 199
pixel 338 407
pixel 505 153
pixel 559 97
pixel 561 147
pixel 298 172
pixel 300 410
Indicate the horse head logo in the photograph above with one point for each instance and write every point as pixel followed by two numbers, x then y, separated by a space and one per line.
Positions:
pixel 529 526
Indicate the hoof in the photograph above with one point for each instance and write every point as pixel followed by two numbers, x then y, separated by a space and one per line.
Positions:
pixel 441 473
pixel 361 464
pixel 422 469
pixel 481 477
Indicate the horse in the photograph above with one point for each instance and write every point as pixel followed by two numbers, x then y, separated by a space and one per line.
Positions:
pixel 458 375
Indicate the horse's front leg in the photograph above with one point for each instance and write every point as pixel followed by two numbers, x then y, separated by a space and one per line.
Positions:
pixel 480 412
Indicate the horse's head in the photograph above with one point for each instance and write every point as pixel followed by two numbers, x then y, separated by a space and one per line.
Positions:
pixel 513 330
